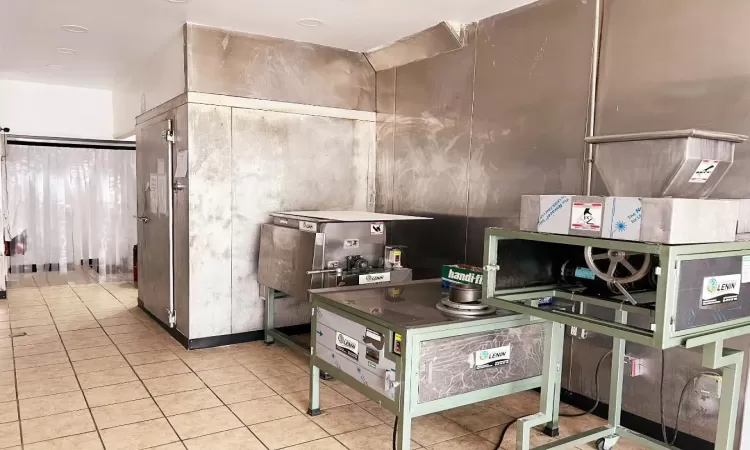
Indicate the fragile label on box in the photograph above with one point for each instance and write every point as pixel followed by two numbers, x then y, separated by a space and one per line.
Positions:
pixel 704 171
pixel 586 216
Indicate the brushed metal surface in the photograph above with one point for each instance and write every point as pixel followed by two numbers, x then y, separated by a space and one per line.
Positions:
pixel 674 65
pixel 431 153
pixel 385 133
pixel 153 242
pixel 244 65
pixel 288 162
pixel 285 257
pixel 181 227
pixel 530 109
pixel 427 43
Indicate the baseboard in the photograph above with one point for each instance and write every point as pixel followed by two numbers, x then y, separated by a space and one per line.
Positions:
pixel 636 423
pixel 3 295
pixel 225 339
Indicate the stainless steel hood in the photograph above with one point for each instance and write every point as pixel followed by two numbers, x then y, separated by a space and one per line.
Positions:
pixel 678 163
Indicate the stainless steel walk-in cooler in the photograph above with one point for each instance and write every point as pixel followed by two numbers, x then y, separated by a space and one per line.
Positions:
pixel 394 346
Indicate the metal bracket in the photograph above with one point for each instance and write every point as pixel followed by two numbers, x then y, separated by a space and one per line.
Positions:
pixel 168 135
pixel 172 317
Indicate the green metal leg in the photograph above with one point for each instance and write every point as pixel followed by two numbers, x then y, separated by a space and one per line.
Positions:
pixel 617 373
pixel 551 373
pixel 553 426
pixel 403 438
pixel 314 406
pixel 715 356
pixel 269 322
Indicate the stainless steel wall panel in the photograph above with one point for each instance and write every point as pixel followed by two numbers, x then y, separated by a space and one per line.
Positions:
pixel 431 153
pixel 210 220
pixel 283 162
pixel 181 227
pixel 672 65
pixel 386 120
pixel 243 65
pixel 427 43
pixel 531 99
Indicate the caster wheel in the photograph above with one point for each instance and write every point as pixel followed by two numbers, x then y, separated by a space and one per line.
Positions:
pixel 605 444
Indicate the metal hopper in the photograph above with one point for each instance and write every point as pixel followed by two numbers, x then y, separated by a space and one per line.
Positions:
pixel 678 163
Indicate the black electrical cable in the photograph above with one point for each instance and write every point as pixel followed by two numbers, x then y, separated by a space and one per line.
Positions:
pixel 395 431
pixel 671 442
pixel 502 434
pixel 596 384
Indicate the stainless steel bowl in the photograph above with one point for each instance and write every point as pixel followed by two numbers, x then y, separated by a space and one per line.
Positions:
pixel 465 293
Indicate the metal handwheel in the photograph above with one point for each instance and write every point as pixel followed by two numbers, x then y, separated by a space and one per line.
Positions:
pixel 615 260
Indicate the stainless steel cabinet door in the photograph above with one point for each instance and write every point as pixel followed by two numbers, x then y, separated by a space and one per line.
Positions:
pixel 153 223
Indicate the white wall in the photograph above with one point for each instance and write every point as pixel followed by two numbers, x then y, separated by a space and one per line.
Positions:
pixel 51 110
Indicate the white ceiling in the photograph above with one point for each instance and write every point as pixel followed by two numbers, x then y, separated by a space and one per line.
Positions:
pixel 128 31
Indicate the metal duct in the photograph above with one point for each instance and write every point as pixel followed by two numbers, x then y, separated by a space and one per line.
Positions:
pixel 441 38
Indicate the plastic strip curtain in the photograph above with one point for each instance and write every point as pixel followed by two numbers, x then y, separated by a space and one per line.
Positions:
pixel 69 207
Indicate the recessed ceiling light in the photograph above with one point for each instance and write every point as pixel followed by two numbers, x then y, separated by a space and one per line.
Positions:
pixel 310 22
pixel 75 29
pixel 177 1
pixel 54 66
pixel 65 50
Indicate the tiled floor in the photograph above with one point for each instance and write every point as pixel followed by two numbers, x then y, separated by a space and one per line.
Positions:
pixel 81 367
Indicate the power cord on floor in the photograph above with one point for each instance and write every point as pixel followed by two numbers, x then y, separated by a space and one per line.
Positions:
pixel 671 442
pixel 596 383
pixel 395 432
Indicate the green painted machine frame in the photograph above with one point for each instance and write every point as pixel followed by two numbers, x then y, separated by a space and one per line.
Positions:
pixel 406 406
pixel 710 338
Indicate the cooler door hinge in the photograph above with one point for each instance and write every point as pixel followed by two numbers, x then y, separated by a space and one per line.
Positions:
pixel 172 316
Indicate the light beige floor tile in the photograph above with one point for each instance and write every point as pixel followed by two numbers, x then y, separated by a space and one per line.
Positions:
pixel 6 342
pixel 10 434
pixel 7 376
pixel 47 359
pixel 137 359
pixel 517 405
pixel 99 364
pixel 8 412
pixel 238 439
pixel 125 413
pixel 44 372
pixel 468 442
pixel 35 339
pixel 208 361
pixel 123 320
pixel 378 411
pixel 509 441
pixel 41 329
pixel 263 410
pixel 346 391
pixel 86 441
pixel 477 417
pixel 77 344
pixel 52 404
pixel 328 443
pixel 47 387
pixel 128 328
pixel 434 428
pixel 143 336
pixel 26 323
pixel 344 419
pixel 172 446
pixel 328 399
pixel 287 432
pixel 226 375
pixel 275 369
pixel 139 435
pixel 173 384
pixel 206 421
pixel 374 438
pixel 140 346
pixel 287 384
pixel 161 369
pixel 188 401
pixel 7 392
pixel 107 377
pixel 116 393
pixel 6 353
pixel 38 349
pixel 241 392
pixel 81 325
pixel 77 335
pixel 93 352
pixel 56 426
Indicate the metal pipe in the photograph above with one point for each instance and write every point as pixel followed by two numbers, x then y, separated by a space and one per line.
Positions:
pixel 591 119
pixel 170 208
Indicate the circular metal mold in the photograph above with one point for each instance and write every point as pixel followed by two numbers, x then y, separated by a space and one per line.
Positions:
pixel 465 293
pixel 463 306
